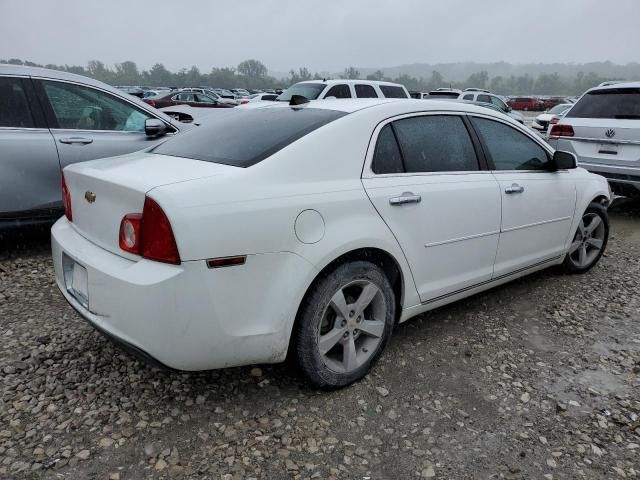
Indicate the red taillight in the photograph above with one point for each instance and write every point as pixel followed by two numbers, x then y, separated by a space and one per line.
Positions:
pixel 149 234
pixel 150 102
pixel 130 233
pixel 242 102
pixel 561 131
pixel 66 199
pixel 554 120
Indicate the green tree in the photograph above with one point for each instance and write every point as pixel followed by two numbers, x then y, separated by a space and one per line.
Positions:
pixel 252 69
pixel 159 76
pixel 127 73
pixel 351 73
pixel 378 75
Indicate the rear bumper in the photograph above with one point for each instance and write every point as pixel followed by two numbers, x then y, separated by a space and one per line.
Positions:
pixel 186 317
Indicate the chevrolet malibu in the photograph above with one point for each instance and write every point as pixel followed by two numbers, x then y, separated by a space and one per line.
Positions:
pixel 309 230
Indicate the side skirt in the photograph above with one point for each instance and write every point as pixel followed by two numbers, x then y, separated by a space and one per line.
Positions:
pixel 442 300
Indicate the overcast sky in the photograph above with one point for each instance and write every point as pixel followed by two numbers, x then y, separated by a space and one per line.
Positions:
pixel 324 35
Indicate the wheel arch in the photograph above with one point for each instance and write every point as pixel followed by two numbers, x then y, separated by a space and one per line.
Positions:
pixel 378 256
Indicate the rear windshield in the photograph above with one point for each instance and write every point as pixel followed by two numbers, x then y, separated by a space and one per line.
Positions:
pixel 307 90
pixel 622 103
pixel 390 91
pixel 242 139
pixel 444 94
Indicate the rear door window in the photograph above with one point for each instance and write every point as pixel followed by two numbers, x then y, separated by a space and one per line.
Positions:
pixel 223 139
pixel 391 91
pixel 339 91
pixel 620 103
pixel 366 91
pixel 468 96
pixel 14 107
pixel 484 98
pixel 435 143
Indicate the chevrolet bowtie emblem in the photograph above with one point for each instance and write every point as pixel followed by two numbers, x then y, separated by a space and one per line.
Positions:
pixel 90 197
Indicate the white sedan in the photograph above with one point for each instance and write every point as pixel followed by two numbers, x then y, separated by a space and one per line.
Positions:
pixel 312 229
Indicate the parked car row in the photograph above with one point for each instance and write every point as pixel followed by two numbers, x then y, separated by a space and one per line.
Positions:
pixel 300 172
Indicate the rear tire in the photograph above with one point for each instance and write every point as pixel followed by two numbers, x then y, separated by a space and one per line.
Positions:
pixel 344 324
pixel 589 241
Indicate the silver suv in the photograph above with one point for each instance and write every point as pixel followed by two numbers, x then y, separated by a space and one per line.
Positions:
pixel 603 130
pixel 483 96
pixel 50 119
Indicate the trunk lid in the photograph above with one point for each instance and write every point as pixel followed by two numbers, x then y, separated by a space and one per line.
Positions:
pixel 103 191
pixel 606 141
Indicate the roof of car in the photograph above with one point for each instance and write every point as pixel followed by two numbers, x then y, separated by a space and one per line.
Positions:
pixel 345 80
pixel 616 85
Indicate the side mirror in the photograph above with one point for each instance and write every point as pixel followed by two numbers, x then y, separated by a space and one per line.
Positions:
pixel 154 127
pixel 563 161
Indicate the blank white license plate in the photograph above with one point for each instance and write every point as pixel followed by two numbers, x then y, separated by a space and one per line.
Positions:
pixel 608 148
pixel 76 280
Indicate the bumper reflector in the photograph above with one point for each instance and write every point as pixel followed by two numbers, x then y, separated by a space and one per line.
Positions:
pixel 226 261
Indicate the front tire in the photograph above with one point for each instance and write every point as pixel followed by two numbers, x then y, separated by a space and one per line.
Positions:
pixel 344 323
pixel 590 240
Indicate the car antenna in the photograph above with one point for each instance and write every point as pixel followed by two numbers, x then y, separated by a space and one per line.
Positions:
pixel 298 100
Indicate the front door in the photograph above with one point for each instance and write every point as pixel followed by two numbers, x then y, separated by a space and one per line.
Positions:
pixel 537 204
pixel 425 181
pixel 88 123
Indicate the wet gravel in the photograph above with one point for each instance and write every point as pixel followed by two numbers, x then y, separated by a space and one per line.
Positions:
pixel 536 379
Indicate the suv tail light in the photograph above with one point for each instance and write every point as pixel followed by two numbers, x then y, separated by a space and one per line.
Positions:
pixel 561 131
pixel 149 234
pixel 66 199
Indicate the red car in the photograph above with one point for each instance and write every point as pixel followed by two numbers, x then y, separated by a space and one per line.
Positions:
pixel 551 102
pixel 193 99
pixel 525 103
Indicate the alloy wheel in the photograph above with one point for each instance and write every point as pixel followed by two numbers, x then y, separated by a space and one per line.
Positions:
pixel 352 326
pixel 588 241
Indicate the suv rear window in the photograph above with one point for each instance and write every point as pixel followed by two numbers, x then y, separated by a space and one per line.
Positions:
pixel 622 103
pixel 242 139
pixel 390 91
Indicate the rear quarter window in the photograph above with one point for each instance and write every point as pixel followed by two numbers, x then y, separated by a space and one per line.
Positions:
pixel 242 139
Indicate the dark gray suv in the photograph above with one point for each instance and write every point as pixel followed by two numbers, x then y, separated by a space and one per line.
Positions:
pixel 49 119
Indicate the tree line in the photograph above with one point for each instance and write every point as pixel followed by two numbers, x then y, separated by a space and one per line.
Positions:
pixel 254 74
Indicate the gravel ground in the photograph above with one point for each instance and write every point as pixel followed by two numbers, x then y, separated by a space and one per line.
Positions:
pixel 536 379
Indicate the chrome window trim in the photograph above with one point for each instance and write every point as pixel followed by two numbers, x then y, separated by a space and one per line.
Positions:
pixel 31 129
pixel 367 171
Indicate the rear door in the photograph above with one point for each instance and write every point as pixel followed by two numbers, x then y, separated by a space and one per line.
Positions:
pixel 88 123
pixel 424 178
pixel 29 169
pixel 537 205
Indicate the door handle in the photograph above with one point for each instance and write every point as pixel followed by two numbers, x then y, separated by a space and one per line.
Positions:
pixel 514 188
pixel 80 140
pixel 406 197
